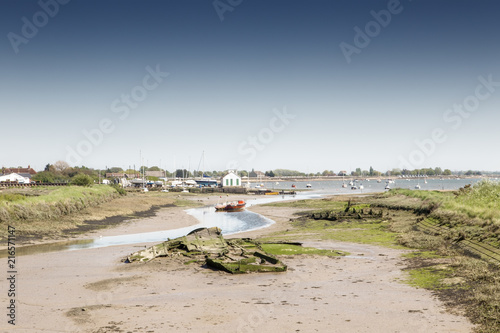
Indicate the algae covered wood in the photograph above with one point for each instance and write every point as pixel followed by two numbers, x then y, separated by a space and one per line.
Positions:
pixel 234 256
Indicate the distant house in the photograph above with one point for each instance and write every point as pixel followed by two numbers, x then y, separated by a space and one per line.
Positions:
pixel 114 175
pixel 260 174
pixel 122 175
pixel 256 174
pixel 14 177
pixel 25 172
pixel 342 173
pixel 231 179
pixel 155 174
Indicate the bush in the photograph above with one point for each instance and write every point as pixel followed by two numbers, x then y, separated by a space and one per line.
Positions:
pixel 81 180
pixel 118 189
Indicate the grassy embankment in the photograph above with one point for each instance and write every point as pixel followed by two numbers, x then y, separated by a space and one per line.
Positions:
pixel 41 213
pixel 455 236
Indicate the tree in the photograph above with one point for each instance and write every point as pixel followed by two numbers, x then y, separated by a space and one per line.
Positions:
pixel 197 173
pixel 115 170
pixel 44 177
pixel 287 173
pixel 447 172
pixel 371 171
pixel 269 173
pixel 60 166
pixel 438 171
pixel 82 180
pixel 182 173
pixel 154 168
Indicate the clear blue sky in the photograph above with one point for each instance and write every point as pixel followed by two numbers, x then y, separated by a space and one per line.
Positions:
pixel 307 85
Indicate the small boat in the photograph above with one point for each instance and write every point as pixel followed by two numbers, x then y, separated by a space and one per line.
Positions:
pixel 361 187
pixel 293 186
pixel 354 187
pixel 308 185
pixel 387 187
pixel 344 185
pixel 231 206
pixel 417 187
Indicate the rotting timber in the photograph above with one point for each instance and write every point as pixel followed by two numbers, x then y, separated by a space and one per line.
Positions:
pixel 235 256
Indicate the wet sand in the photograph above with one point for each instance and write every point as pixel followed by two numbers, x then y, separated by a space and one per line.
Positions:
pixel 93 291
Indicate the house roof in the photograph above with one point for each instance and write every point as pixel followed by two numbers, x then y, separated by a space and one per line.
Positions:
pixel 28 170
pixel 231 172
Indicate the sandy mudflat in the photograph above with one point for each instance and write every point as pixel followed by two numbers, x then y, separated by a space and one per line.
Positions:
pixel 92 291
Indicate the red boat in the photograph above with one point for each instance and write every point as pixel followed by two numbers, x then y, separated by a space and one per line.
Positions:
pixel 231 206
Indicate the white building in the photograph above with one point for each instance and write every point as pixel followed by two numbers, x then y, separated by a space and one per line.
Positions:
pixel 13 177
pixel 231 179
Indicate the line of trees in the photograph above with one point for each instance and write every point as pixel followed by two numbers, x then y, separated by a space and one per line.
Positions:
pixel 60 171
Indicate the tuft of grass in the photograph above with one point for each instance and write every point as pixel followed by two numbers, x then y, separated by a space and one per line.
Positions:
pixel 310 204
pixel 291 249
pixel 11 197
pixel 429 278
pixel 364 231
pixel 422 255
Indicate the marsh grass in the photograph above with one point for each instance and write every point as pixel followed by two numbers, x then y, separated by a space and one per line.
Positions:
pixel 476 205
pixel 342 222
pixel 56 203
pixel 78 210
pixel 10 197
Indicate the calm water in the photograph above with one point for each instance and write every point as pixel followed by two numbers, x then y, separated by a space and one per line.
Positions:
pixel 235 222
pixel 335 186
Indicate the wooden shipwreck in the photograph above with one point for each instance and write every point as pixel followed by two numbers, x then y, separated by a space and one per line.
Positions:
pixel 235 256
